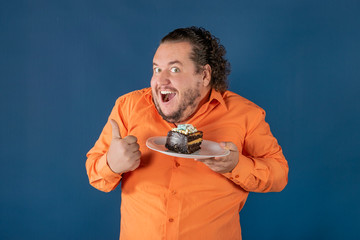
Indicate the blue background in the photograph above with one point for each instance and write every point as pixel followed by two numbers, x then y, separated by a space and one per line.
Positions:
pixel 64 63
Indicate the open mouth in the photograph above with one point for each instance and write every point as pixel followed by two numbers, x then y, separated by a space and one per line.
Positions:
pixel 166 96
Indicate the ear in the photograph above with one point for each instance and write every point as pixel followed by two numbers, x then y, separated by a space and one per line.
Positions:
pixel 206 75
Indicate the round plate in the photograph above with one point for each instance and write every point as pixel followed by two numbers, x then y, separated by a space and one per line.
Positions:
pixel 208 149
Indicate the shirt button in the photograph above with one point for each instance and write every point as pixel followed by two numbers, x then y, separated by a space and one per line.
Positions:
pixel 237 176
pixel 173 192
pixel 177 164
pixel 171 219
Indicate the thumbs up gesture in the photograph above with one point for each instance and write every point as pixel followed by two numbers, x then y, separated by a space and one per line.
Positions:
pixel 124 154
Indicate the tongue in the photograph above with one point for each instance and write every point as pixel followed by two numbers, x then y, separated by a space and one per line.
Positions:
pixel 168 97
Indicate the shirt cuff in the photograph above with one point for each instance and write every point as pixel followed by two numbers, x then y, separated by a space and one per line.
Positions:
pixel 243 171
pixel 105 170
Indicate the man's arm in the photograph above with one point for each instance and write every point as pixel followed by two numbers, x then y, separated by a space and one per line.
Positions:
pixel 99 173
pixel 112 155
pixel 261 167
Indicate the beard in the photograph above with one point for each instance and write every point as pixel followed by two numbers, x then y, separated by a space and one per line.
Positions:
pixel 190 102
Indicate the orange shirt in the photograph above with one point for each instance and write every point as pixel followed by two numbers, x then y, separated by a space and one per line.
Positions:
pixel 176 198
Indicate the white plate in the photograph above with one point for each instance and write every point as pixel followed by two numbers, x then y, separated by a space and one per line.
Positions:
pixel 208 149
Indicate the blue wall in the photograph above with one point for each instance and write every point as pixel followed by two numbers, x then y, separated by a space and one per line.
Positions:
pixel 64 63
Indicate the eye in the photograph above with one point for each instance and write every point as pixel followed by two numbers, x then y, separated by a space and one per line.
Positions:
pixel 175 70
pixel 157 70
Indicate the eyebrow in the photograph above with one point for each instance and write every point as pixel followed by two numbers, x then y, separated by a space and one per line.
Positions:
pixel 170 63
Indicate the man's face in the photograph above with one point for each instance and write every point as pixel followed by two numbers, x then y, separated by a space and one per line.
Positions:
pixel 176 87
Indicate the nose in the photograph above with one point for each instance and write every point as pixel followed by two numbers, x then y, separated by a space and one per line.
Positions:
pixel 163 78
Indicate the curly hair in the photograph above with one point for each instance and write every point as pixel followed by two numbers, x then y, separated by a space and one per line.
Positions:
pixel 206 50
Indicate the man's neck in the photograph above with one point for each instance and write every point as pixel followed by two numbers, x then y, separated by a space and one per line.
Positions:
pixel 204 100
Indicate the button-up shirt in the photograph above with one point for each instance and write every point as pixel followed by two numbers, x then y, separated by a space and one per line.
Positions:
pixel 169 197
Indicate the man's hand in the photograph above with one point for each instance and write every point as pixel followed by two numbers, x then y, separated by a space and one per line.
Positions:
pixel 223 164
pixel 123 155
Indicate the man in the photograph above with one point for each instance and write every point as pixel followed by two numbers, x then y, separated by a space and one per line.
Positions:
pixel 165 197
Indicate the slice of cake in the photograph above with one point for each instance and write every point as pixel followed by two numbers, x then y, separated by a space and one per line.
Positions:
pixel 184 139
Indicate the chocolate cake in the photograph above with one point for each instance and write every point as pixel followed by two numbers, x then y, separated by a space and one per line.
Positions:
pixel 184 139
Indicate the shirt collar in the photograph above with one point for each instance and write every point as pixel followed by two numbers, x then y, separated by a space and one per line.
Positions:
pixel 216 96
pixel 148 95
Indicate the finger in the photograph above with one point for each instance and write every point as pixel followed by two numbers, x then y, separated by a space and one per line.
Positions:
pixel 115 129
pixel 130 139
pixel 205 160
pixel 134 147
pixel 221 159
pixel 136 165
pixel 137 155
pixel 229 145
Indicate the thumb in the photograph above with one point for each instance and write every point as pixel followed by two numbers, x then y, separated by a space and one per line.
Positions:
pixel 115 129
pixel 229 145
